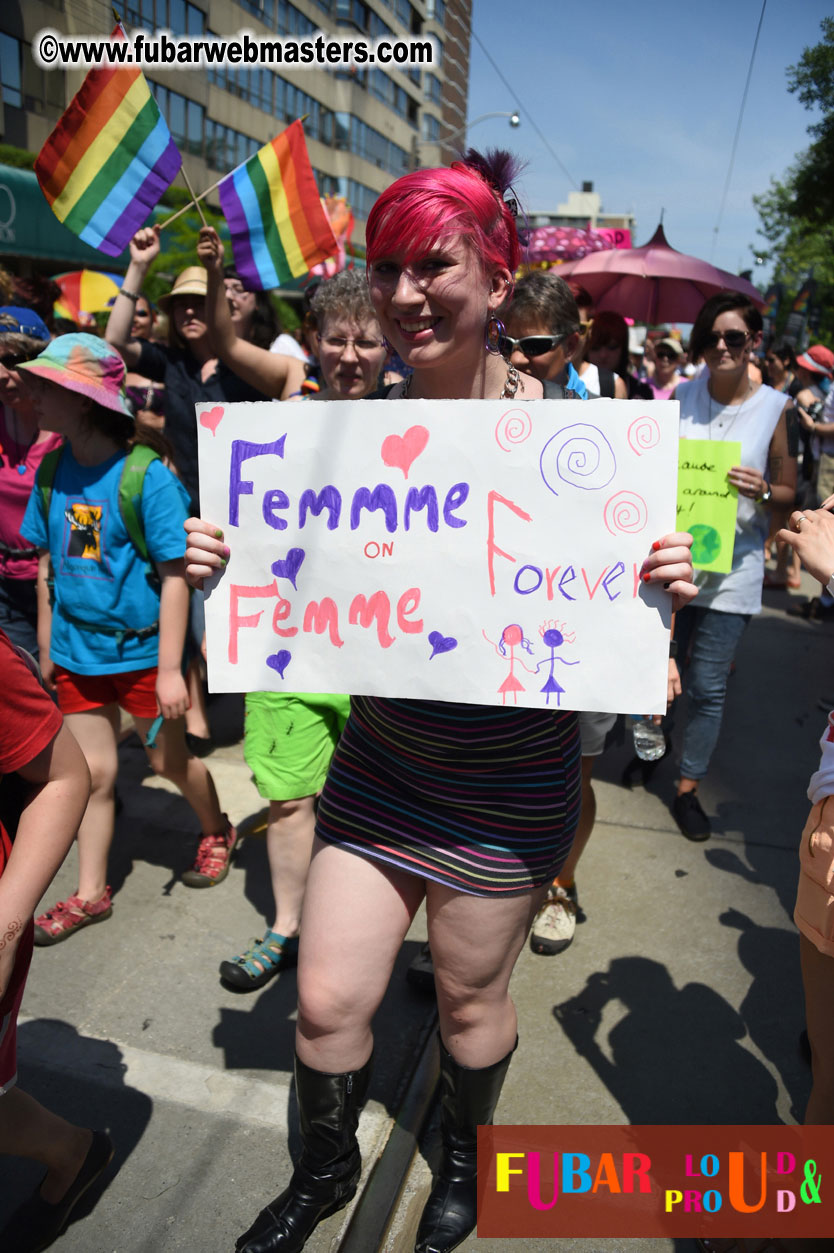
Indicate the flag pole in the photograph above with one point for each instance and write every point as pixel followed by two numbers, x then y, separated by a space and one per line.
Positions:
pixel 195 200
pixel 191 204
pixel 193 196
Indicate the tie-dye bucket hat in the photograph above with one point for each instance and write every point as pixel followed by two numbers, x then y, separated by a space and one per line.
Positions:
pixel 84 364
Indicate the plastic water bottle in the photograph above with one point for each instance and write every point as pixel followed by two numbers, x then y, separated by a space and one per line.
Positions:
pixel 649 740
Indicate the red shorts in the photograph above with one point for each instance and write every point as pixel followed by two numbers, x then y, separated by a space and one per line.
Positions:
pixel 134 690
pixel 9 1009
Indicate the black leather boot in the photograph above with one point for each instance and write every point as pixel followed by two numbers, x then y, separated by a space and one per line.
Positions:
pixel 467 1100
pixel 327 1173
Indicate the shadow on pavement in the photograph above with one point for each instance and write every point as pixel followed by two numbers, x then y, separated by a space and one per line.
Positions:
pixel 771 955
pixel 662 1059
pixel 755 793
pixel 109 1106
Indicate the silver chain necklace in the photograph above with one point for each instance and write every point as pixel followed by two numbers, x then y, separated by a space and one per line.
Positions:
pixel 511 385
pixel 735 416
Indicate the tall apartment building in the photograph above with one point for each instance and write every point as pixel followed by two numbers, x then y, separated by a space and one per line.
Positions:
pixel 364 127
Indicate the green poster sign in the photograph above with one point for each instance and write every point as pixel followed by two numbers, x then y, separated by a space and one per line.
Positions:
pixel 707 502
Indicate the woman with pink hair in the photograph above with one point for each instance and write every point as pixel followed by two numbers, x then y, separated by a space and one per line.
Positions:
pixel 470 808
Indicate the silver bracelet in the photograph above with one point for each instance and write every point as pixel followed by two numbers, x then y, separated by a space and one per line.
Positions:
pixel 131 295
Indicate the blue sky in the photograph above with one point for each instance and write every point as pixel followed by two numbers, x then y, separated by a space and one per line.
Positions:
pixel 642 99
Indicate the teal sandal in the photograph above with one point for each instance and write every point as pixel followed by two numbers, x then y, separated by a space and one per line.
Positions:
pixel 261 962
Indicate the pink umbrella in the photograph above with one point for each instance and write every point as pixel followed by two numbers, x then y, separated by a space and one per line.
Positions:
pixel 654 283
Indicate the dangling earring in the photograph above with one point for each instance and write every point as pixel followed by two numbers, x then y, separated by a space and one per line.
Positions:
pixel 385 344
pixel 494 332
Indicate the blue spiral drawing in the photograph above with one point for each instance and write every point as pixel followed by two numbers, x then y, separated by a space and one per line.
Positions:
pixel 580 456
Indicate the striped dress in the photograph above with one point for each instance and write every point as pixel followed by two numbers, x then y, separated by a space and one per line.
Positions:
pixel 482 799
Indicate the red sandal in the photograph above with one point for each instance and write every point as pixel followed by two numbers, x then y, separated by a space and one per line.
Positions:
pixel 214 856
pixel 68 916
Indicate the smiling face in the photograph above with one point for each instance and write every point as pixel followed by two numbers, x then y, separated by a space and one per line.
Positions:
pixel 351 354
pixel 722 360
pixel 549 365
pixel 665 364
pixel 434 309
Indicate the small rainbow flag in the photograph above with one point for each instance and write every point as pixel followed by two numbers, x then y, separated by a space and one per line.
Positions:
pixel 109 159
pixel 278 227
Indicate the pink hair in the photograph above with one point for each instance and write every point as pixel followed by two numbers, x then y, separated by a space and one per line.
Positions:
pixel 422 208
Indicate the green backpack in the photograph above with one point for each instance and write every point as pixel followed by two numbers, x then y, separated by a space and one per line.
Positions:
pixel 132 482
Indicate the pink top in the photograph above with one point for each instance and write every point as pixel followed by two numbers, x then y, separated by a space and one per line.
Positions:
pixel 18 467
pixel 664 393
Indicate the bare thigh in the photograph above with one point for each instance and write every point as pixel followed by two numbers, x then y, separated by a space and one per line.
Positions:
pixel 475 943
pixel 96 731
pixel 356 914
pixel 818 981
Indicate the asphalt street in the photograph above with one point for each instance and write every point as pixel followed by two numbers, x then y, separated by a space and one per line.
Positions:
pixel 678 1002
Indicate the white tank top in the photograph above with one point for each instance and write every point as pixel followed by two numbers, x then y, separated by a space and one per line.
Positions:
pixel 752 423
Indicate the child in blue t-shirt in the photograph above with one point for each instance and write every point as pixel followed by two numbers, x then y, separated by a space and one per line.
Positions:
pixel 111 633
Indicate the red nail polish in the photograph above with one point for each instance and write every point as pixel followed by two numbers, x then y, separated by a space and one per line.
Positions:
pixel 656 546
pixel 647 578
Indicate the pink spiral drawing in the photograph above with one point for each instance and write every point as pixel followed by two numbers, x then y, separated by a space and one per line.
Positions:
pixel 643 435
pixel 513 428
pixel 625 514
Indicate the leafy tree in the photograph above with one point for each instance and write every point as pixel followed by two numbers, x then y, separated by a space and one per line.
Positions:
pixel 20 158
pixel 797 212
pixel 812 81
pixel 179 240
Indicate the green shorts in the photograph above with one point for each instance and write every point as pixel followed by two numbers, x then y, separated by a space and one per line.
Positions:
pixel 289 740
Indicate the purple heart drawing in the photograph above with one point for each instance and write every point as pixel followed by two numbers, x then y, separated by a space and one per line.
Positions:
pixel 279 661
pixel 441 643
pixel 289 566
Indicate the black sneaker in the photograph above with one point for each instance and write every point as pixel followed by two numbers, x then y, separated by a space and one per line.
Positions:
pixel 813 610
pixel 690 817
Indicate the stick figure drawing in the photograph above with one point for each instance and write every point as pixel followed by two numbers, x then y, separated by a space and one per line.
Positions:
pixel 512 638
pixel 553 635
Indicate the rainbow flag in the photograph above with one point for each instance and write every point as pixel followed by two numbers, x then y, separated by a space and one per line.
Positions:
pixel 278 227
pixel 109 159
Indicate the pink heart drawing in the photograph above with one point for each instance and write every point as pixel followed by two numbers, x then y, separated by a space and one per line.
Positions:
pixel 403 450
pixel 212 419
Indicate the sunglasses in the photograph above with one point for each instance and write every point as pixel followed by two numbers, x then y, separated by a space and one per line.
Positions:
pixel 732 339
pixel 666 355
pixel 530 345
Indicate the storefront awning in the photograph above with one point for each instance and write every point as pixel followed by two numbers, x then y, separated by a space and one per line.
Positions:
pixel 29 228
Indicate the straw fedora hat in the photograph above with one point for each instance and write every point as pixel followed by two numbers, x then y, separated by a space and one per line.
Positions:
pixel 191 282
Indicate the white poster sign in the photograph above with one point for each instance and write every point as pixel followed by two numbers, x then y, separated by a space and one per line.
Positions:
pixel 479 551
